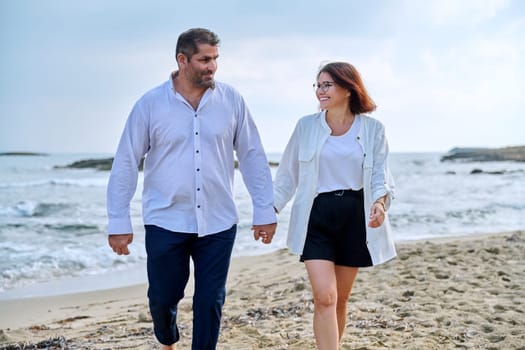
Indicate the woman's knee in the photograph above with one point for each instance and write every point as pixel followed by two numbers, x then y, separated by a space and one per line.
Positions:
pixel 325 298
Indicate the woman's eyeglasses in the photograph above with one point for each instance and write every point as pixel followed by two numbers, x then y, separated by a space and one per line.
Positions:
pixel 324 86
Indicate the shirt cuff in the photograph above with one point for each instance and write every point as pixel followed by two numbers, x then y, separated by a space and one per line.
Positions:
pixel 382 192
pixel 118 226
pixel 264 216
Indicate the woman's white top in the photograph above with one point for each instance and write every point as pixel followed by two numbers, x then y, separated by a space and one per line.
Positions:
pixel 341 162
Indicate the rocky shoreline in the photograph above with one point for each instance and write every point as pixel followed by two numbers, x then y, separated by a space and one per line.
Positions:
pixel 11 154
pixel 514 153
pixel 105 164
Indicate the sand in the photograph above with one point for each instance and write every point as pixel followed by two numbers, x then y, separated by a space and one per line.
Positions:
pixel 463 293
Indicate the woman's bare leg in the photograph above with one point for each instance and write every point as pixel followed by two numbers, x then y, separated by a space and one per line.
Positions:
pixel 324 287
pixel 345 277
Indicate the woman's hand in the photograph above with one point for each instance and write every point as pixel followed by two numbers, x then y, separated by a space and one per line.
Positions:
pixel 377 214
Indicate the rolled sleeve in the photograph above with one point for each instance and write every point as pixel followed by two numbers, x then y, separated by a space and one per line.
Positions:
pixel 382 180
pixel 286 178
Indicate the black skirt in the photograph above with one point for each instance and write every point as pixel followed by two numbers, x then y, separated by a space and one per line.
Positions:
pixel 337 229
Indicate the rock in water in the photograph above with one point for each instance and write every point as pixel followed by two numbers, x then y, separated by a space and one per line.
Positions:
pixel 515 153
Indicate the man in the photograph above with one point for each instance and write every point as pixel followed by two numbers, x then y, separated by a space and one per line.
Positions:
pixel 189 129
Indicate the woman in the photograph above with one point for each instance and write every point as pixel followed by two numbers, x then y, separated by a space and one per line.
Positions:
pixel 336 165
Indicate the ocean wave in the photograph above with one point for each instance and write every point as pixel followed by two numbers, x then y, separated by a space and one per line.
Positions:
pixel 72 227
pixel 33 209
pixel 45 269
pixel 26 268
pixel 87 182
pixel 447 217
pixel 77 230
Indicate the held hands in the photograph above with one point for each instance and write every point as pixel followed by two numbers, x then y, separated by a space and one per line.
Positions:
pixel 264 232
pixel 377 214
pixel 119 243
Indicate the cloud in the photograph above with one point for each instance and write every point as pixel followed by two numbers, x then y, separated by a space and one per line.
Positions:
pixel 444 12
pixel 275 74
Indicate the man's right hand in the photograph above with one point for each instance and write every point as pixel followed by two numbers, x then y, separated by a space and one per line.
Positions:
pixel 119 243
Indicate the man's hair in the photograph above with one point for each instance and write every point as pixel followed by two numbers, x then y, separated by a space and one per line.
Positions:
pixel 188 41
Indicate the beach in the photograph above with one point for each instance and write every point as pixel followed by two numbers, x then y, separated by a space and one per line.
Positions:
pixel 455 293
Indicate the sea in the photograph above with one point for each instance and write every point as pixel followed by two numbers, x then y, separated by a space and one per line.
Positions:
pixel 53 218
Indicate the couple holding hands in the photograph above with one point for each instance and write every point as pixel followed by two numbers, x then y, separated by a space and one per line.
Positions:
pixel 191 127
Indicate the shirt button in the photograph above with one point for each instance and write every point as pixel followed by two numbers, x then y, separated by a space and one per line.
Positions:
pixel 198 189
pixel 195 115
pixel 198 169
pixel 196 133
pixel 198 206
pixel 197 151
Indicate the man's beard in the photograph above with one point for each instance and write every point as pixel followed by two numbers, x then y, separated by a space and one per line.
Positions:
pixel 199 81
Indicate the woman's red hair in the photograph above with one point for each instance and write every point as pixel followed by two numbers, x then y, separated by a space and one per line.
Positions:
pixel 345 75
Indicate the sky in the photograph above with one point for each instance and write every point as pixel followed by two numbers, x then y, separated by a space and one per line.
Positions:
pixel 443 73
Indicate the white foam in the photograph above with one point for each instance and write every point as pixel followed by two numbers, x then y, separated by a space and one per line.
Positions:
pixel 114 279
